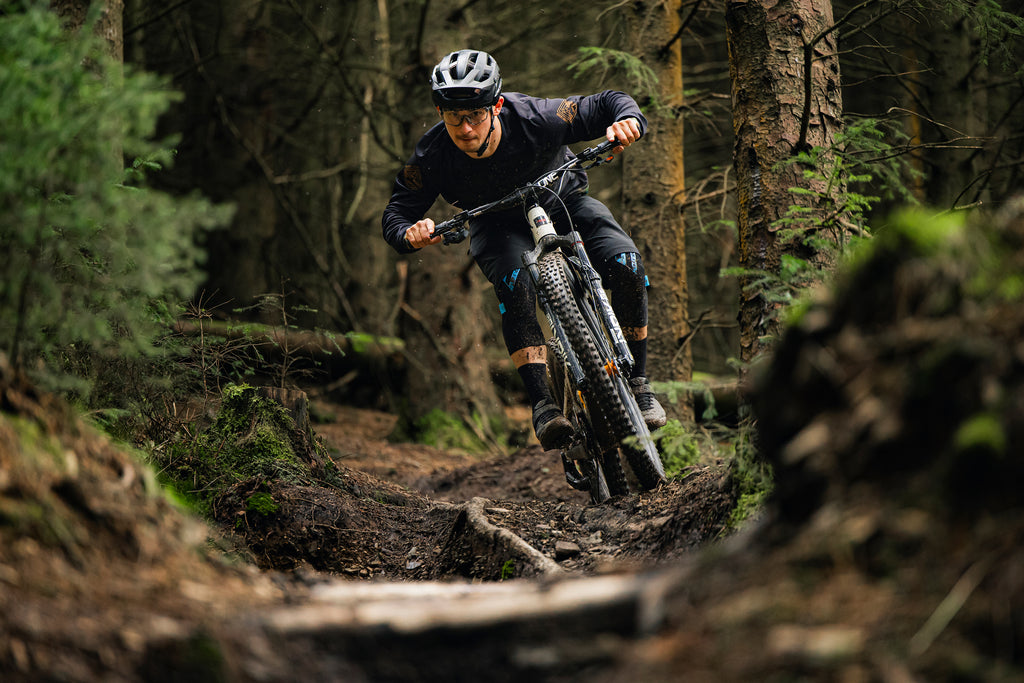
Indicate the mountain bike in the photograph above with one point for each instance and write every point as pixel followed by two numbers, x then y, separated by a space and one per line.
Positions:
pixel 589 362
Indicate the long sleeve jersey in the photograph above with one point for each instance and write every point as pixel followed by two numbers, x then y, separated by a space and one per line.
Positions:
pixel 535 135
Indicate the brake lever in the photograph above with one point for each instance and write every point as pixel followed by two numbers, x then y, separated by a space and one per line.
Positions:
pixel 456 236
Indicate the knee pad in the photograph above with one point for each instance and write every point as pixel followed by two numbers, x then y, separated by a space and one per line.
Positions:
pixel 625 278
pixel 517 302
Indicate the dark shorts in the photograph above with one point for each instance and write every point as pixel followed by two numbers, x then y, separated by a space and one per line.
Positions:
pixel 497 245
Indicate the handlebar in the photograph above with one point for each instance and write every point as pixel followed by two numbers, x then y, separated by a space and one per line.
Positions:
pixel 454 229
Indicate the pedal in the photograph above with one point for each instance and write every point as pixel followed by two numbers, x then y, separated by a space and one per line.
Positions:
pixel 577 450
pixel 573 474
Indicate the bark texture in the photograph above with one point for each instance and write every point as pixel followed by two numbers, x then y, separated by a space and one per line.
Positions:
pixel 654 193
pixel 110 25
pixel 786 98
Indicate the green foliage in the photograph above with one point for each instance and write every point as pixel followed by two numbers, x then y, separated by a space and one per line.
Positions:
pixel 998 32
pixel 446 430
pixel 643 81
pixel 262 503
pixel 275 305
pixel 250 439
pixel 679 447
pixel 864 155
pixel 508 570
pixel 753 478
pixel 91 259
pixel 673 392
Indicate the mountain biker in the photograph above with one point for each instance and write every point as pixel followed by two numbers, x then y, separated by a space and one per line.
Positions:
pixel 487 144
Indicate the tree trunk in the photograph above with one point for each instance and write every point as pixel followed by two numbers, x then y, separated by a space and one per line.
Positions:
pixel 783 103
pixel 447 334
pixel 653 181
pixel 110 26
pixel 953 86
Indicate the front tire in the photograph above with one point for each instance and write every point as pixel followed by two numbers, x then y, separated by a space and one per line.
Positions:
pixel 606 415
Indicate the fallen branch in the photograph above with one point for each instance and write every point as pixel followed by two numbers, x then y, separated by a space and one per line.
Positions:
pixel 310 342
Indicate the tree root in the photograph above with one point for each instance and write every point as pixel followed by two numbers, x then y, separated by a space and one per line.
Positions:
pixel 503 543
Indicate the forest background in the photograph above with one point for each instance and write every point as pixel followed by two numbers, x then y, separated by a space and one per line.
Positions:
pixel 293 118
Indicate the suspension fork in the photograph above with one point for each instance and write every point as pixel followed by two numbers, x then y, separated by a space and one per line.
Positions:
pixel 623 356
pixel 546 240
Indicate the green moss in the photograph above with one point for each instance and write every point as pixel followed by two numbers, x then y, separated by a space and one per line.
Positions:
pixel 252 438
pixel 262 503
pixel 361 342
pixel 445 430
pixel 747 506
pixel 753 478
pixel 918 232
pixel 41 449
pixel 678 446
pixel 914 232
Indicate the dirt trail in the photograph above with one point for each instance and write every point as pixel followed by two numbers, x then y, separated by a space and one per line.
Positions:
pixel 412 512
pixel 103 579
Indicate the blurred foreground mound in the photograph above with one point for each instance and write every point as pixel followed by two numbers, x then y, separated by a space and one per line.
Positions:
pixel 892 414
pixel 910 379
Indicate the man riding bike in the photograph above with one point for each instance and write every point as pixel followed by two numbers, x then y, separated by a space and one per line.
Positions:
pixel 487 144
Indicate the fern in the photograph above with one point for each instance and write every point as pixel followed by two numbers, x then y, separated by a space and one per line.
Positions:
pixel 866 154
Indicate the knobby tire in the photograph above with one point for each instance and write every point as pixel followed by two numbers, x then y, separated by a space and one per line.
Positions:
pixel 603 405
pixel 625 416
pixel 592 468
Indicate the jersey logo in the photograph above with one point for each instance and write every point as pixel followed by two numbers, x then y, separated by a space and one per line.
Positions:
pixel 567 111
pixel 413 178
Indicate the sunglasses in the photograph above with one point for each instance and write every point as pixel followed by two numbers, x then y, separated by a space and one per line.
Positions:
pixel 454 119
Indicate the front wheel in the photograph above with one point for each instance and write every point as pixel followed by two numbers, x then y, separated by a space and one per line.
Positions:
pixel 637 443
pixel 620 416
pixel 607 418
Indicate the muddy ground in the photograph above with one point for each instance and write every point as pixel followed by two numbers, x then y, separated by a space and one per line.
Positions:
pixel 399 517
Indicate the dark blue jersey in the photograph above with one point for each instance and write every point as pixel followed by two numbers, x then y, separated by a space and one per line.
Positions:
pixel 534 139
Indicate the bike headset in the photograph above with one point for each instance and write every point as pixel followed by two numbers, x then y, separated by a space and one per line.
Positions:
pixel 467 79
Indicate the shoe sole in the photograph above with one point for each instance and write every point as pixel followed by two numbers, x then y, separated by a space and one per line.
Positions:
pixel 556 434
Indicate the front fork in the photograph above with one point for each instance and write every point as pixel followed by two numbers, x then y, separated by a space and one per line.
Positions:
pixel 546 239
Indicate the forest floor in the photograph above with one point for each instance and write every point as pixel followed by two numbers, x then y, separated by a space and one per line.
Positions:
pixel 891 549
pixel 101 578
pixel 524 491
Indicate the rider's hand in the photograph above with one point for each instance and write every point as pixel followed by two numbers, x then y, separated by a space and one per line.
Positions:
pixel 626 131
pixel 421 234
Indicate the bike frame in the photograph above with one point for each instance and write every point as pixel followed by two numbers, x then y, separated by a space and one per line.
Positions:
pixel 547 239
